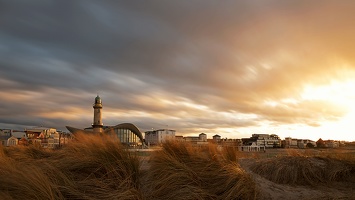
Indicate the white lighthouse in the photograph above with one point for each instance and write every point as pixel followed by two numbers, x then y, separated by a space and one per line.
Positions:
pixel 97 124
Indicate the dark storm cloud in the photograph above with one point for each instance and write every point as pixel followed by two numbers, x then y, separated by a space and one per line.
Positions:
pixel 230 57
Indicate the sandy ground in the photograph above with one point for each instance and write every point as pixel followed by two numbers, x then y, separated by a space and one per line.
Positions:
pixel 271 190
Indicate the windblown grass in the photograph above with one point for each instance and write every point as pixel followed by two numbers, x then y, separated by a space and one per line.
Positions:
pixel 26 179
pixel 101 167
pixel 297 169
pixel 181 171
pixel 91 168
pixel 98 167
pixel 230 153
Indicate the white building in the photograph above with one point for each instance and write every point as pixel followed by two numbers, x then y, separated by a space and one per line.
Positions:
pixel 200 139
pixel 216 138
pixel 8 137
pixel 19 134
pixel 8 141
pixel 159 136
pixel 252 147
pixel 298 143
pixel 266 140
pixel 5 132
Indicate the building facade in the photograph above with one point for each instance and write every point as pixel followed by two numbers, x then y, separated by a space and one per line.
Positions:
pixel 126 136
pixel 5 132
pixel 216 138
pixel 201 139
pixel 266 140
pixel 39 131
pixel 156 137
pixel 45 137
pixel 298 143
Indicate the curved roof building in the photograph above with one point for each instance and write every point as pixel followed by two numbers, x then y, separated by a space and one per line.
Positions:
pixel 127 133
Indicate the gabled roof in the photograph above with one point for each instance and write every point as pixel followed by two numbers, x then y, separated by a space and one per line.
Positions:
pixel 19 134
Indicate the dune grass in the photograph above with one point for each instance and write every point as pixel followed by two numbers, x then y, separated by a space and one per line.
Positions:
pixel 181 171
pixel 307 168
pixel 92 167
pixel 98 167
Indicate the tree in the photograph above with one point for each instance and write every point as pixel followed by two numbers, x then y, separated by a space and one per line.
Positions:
pixel 320 143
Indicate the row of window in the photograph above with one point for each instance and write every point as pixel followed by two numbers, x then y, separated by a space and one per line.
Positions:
pixel 126 136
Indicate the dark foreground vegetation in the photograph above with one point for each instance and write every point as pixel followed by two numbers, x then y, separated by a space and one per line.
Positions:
pixel 304 170
pixel 97 167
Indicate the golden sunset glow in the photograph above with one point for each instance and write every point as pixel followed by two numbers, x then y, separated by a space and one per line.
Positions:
pixel 233 69
pixel 340 93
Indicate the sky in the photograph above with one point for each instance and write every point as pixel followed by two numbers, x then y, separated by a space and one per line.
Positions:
pixel 232 68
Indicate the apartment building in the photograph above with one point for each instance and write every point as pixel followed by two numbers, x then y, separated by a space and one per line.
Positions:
pixel 266 140
pixel 156 137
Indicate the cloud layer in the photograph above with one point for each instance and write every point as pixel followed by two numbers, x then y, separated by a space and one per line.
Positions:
pixel 192 66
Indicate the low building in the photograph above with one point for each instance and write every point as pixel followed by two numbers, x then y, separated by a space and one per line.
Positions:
pixel 8 141
pixel 156 137
pixel 201 139
pixel 179 138
pixel 40 131
pixel 298 143
pixel 216 138
pixel 331 144
pixel 5 132
pixel 266 140
pixel 252 147
pixel 12 141
pixel 290 142
pixel 19 134
pixel 9 137
pixel 49 140
pixel 44 136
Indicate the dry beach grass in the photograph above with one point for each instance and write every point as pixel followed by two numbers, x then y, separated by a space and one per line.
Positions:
pixel 98 167
pixel 181 171
pixel 94 168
